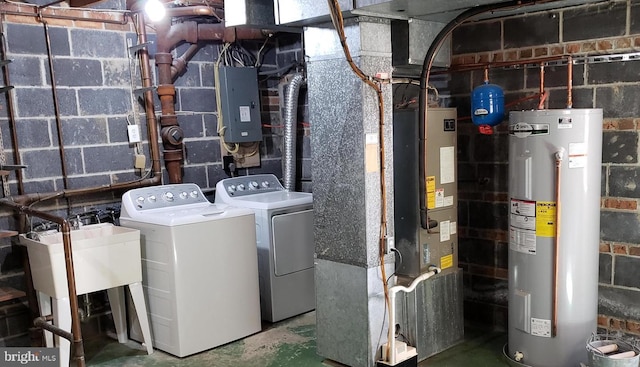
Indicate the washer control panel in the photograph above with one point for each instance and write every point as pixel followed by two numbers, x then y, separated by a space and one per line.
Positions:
pixel 248 185
pixel 155 197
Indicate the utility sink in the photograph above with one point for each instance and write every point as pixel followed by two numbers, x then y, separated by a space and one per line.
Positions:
pixel 104 256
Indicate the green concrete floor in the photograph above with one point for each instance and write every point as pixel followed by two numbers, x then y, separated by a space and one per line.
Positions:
pixel 289 343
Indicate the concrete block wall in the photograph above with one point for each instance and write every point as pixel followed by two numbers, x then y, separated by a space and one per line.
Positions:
pixel 610 28
pixel 92 74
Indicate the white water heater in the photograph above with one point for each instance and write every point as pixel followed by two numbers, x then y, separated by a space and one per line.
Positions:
pixel 554 227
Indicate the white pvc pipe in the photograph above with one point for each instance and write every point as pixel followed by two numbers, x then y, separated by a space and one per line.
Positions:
pixel 391 342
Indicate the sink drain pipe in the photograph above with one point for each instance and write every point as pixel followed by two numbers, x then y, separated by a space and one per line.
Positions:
pixel 75 337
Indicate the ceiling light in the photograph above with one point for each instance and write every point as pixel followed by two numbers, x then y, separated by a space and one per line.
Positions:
pixel 154 10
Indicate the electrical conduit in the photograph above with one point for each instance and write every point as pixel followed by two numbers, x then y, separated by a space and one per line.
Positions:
pixel 290 124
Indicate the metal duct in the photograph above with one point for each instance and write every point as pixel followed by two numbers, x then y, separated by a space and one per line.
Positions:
pixel 290 122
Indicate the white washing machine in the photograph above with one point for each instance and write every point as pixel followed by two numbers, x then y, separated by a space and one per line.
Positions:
pixel 284 227
pixel 199 267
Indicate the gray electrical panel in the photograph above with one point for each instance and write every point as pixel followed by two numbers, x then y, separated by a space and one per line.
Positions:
pixel 240 104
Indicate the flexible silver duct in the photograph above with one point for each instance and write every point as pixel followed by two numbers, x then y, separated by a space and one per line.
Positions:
pixel 290 122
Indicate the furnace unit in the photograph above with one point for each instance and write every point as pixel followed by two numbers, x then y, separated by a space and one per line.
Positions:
pixel 554 227
pixel 432 315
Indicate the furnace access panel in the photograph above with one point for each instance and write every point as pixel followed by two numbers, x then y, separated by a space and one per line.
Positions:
pixel 439 244
pixel 240 101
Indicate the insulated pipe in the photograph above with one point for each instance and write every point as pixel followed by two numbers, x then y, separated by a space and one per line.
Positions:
pixel 290 124
pixel 424 82
pixel 558 156
pixel 391 342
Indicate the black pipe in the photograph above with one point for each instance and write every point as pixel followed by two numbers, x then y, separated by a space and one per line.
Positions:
pixel 424 81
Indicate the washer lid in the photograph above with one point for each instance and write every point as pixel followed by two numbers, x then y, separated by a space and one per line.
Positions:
pixel 270 200
pixel 185 214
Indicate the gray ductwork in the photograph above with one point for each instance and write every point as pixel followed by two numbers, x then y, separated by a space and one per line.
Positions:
pixel 290 124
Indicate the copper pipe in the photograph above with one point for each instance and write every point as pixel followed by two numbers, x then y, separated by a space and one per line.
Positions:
pixel 11 111
pixel 76 337
pixel 542 94
pixel 190 10
pixel 13 8
pixel 147 83
pixel 145 71
pixel 135 5
pixel 42 322
pixel 56 106
pixel 486 74
pixel 556 245
pixel 569 82
pixel 479 66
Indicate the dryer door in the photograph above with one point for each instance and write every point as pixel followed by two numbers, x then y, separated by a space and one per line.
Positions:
pixel 293 241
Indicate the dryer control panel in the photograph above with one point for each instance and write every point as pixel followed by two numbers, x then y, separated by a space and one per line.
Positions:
pixel 248 185
pixel 164 196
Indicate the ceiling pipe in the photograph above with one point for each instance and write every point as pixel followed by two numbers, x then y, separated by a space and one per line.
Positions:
pixel 168 37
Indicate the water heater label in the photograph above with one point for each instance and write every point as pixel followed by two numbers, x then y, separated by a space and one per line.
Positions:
pixel 522 240
pixel 541 327
pixel 546 218
pixel 523 214
pixel 577 155
pixel 522 226
pixel 565 123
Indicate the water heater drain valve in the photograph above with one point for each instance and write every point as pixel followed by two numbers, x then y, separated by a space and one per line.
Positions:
pixel 518 356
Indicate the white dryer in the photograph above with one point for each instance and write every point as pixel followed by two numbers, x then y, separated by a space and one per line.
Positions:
pixel 284 228
pixel 199 267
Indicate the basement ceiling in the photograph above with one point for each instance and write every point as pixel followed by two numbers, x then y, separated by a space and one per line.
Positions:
pixel 446 10
pixel 300 12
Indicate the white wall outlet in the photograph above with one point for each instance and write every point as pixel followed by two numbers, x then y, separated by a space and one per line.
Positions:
pixel 134 133
pixel 391 243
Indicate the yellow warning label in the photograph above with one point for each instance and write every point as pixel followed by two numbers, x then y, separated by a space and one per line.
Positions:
pixel 446 261
pixel 431 192
pixel 546 218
